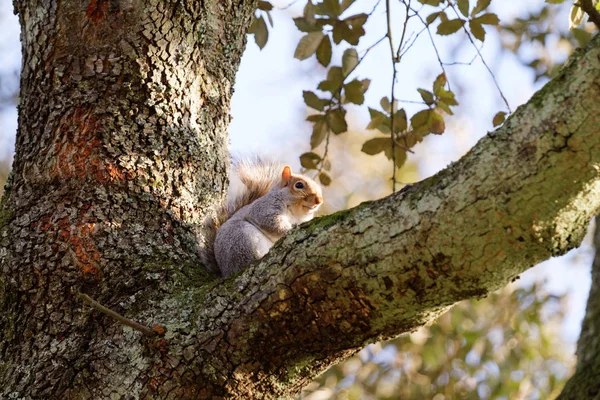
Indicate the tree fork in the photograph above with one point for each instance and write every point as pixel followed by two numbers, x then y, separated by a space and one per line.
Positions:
pixel 112 174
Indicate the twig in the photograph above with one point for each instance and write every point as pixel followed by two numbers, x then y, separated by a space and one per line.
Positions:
pixel 337 93
pixel 590 10
pixel 435 49
pixel 94 304
pixel 395 56
pixel 483 60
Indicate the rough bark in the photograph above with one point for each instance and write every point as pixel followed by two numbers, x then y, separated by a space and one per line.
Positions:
pixel 121 149
pixel 585 383
pixel 120 152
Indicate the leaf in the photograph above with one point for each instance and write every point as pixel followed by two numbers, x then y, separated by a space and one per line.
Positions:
pixel 336 120
pixel 324 51
pixel 346 4
pixel 582 36
pixel 386 105
pixel 319 133
pixel 265 6
pixel 260 31
pixel 480 6
pixel 432 17
pixel 331 8
pixel 376 146
pixel 379 121
pixel 270 19
pixel 308 45
pixel 463 7
pixel 575 17
pixel 309 12
pixel 434 3
pixel 325 178
pixel 555 1
pixel 355 92
pixel 313 101
pixel 477 30
pixel 310 160
pixel 304 26
pixel 334 80
pixel 400 122
pixel 449 27
pixel 436 123
pixel 439 83
pixel 427 96
pixel 349 61
pixel 488 19
pixel 499 118
pixel 420 118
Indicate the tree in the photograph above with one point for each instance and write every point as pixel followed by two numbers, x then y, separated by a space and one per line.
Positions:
pixel 120 155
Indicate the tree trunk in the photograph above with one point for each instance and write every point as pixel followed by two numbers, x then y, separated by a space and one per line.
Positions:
pixel 120 154
pixel 585 383
pixel 121 149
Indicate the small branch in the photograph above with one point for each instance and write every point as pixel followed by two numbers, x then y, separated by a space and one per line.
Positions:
pixel 338 93
pixel 590 10
pixel 94 304
pixel 483 61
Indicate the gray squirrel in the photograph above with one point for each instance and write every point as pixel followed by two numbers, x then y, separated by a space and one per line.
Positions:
pixel 272 200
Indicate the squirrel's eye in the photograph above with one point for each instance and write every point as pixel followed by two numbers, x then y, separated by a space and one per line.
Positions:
pixel 299 185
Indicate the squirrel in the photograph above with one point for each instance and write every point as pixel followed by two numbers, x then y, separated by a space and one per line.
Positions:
pixel 272 201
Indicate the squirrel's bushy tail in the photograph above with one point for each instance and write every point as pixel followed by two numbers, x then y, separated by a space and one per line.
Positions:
pixel 257 176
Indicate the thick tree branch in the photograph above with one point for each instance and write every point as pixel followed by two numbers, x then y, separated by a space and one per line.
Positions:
pixel 590 10
pixel 523 194
pixel 584 383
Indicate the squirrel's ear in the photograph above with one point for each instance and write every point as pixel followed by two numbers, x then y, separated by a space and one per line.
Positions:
pixel 286 175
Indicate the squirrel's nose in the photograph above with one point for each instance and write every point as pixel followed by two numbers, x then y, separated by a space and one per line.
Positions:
pixel 318 200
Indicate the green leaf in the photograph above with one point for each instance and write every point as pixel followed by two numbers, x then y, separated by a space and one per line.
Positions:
pixel 355 92
pixel 386 105
pixel 260 31
pixel 477 30
pixel 304 26
pixel 320 130
pixel 555 1
pixel 309 12
pixel 427 96
pixel 346 4
pixel 400 122
pixel 331 8
pixel 379 121
pixel 434 3
pixel 313 101
pixel 575 17
pixel 265 5
pixel 333 82
pixel 325 178
pixel 449 27
pixel 349 61
pixel 400 155
pixel 582 36
pixel 432 17
pixel 324 51
pixel 463 7
pixel 336 120
pixel 420 119
pixel 308 45
pixel 439 83
pixel 480 6
pixel 488 19
pixel 376 146
pixel 436 123
pixel 310 160
pixel 499 118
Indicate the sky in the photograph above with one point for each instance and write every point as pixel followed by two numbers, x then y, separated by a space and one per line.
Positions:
pixel 269 113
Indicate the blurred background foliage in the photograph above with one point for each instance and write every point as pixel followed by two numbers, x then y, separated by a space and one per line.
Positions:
pixel 507 346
